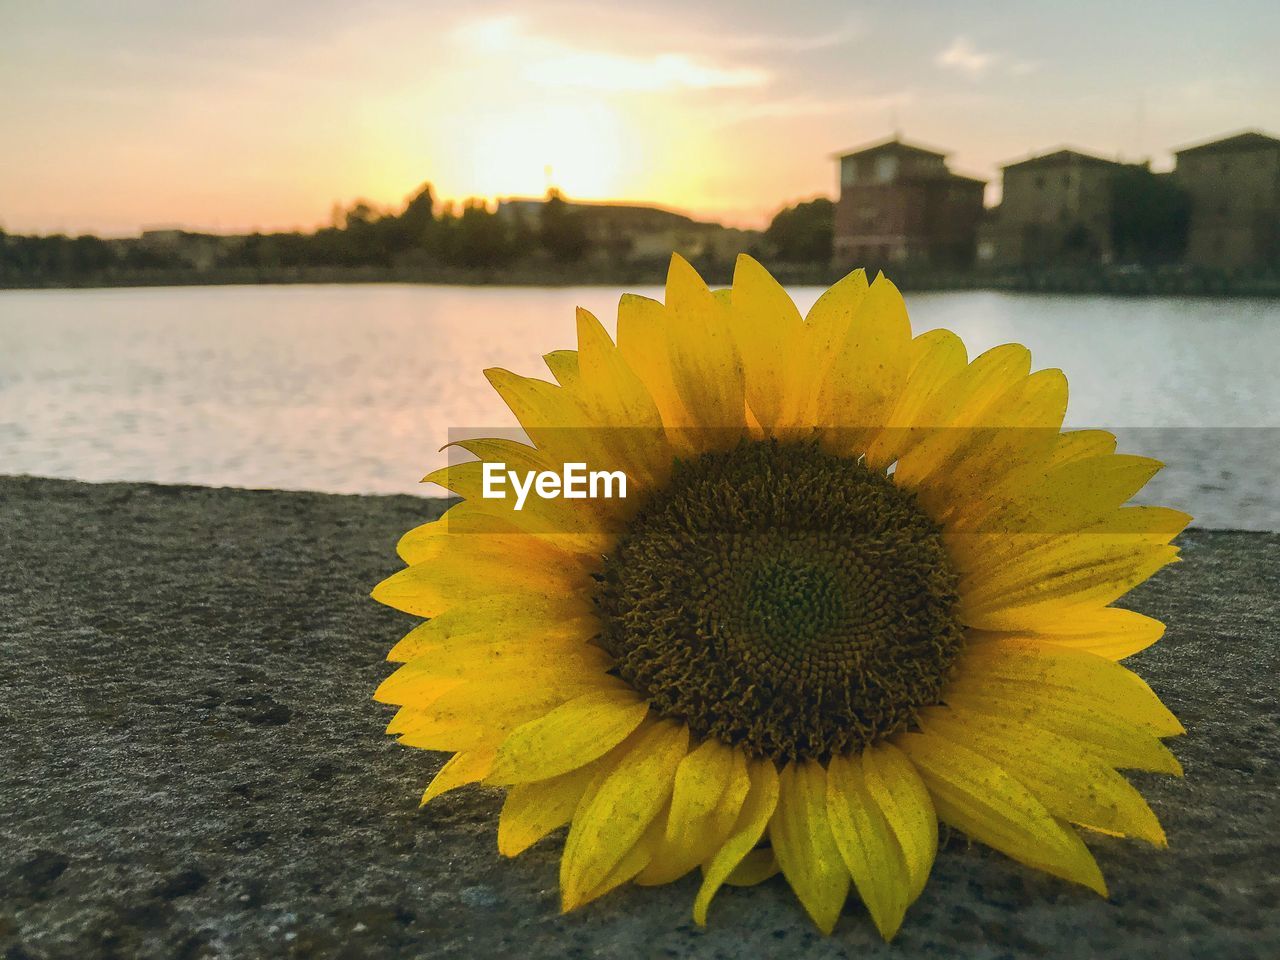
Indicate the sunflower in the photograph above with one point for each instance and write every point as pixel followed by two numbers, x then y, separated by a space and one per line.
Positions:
pixel 859 585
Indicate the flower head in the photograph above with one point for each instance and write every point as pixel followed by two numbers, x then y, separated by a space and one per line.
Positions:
pixel 859 585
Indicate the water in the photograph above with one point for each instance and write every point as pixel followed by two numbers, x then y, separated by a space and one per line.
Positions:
pixel 353 389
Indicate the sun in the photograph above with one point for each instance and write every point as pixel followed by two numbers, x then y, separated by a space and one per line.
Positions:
pixel 859 585
pixel 575 145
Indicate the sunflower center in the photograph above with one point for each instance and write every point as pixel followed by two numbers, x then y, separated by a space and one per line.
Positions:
pixel 782 599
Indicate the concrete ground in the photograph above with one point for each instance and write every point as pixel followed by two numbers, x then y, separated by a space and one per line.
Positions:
pixel 191 765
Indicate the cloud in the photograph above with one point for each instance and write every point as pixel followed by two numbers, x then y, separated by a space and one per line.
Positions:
pixel 622 73
pixel 838 36
pixel 965 58
pixel 806 106
pixel 549 62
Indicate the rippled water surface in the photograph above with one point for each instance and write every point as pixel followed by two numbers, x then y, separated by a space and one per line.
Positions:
pixel 354 388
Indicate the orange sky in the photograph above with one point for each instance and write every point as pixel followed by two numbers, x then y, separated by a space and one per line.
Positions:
pixel 236 116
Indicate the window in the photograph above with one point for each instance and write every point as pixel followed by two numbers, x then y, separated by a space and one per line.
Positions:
pixel 848 172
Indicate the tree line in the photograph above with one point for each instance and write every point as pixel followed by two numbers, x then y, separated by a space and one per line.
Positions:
pixel 1148 225
pixel 467 236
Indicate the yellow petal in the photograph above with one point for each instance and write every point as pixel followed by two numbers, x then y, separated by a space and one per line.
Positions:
pixel 757 809
pixel 767 330
pixel 483 713
pixel 711 784
pixel 1016 480
pixel 1083 444
pixel 570 736
pixel 868 845
pixel 493 546
pixel 642 327
pixel 957 406
pixel 685 354
pixel 549 663
pixel 980 798
pixel 936 357
pixel 868 370
pixel 1109 632
pixel 1073 585
pixel 1114 740
pixel 549 413
pixel 626 426
pixel 632 863
pixel 1068 498
pixel 756 867
pixel 460 770
pixel 478 566
pixel 701 781
pixel 1071 783
pixel 510 616
pixel 1017 431
pixel 610 821
pixel 1025 671
pixel 580 527
pixel 563 365
pixel 423 542
pixel 457 477
pixel 993 563
pixel 581 425
pixel 825 329
pixel 449 733
pixel 803 843
pixel 705 366
pixel 533 810
pixel 895 785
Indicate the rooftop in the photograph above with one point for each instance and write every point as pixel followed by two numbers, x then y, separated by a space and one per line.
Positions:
pixel 1063 155
pixel 1235 143
pixel 893 144
pixel 603 209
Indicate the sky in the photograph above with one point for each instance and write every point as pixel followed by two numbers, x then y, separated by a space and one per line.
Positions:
pixel 233 116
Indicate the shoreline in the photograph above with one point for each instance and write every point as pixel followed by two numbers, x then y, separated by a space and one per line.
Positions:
pixel 191 764
pixel 1094 281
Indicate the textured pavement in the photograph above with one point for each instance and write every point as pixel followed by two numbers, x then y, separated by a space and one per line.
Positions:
pixel 191 765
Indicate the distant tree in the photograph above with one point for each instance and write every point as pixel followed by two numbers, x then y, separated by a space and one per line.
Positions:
pixel 562 233
pixel 361 213
pixel 1150 215
pixel 418 218
pixel 803 233
pixel 89 255
pixel 476 237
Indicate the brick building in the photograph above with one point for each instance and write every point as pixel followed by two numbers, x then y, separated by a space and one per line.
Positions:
pixel 1055 208
pixel 1234 189
pixel 900 205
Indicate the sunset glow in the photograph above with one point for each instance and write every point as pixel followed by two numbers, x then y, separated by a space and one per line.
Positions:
pixel 143 114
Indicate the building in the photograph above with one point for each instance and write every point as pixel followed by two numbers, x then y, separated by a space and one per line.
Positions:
pixel 900 205
pixel 1234 189
pixel 631 232
pixel 1055 209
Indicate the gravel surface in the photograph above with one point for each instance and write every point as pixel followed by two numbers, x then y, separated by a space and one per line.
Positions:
pixel 191 765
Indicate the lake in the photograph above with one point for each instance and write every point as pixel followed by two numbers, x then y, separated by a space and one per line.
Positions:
pixel 353 389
